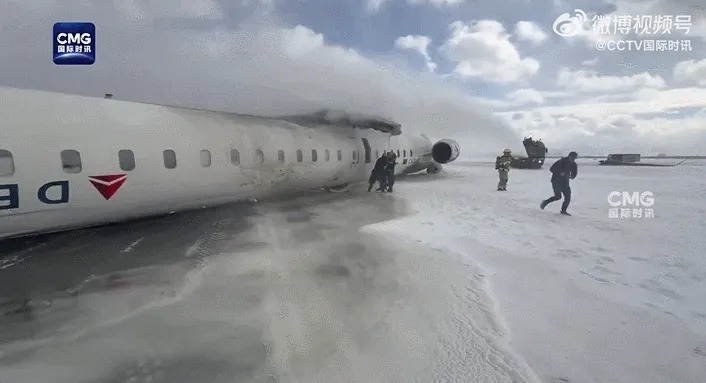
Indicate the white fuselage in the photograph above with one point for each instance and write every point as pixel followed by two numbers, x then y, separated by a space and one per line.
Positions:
pixel 51 143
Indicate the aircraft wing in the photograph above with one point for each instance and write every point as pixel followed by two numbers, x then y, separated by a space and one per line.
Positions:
pixel 334 117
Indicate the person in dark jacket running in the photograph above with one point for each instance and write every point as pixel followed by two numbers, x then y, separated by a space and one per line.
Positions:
pixel 376 175
pixel 389 173
pixel 562 170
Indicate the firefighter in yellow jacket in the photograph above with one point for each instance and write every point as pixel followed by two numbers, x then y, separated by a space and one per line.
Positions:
pixel 502 164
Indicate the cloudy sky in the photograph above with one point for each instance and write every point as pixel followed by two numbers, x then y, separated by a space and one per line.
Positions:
pixel 484 72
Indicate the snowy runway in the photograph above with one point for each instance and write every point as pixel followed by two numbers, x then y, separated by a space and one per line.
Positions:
pixel 587 298
pixel 446 280
pixel 278 291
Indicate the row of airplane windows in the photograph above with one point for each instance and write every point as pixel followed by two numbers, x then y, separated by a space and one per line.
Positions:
pixel 71 159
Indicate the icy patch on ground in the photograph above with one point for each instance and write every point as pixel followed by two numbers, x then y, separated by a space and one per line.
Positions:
pixel 587 298
pixel 101 302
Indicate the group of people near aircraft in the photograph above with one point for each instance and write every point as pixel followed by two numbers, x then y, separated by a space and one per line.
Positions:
pixel 562 170
pixel 383 172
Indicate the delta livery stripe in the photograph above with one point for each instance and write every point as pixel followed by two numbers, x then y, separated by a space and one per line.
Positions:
pixel 109 184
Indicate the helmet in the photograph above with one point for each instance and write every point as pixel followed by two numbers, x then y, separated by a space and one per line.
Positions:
pixel 507 151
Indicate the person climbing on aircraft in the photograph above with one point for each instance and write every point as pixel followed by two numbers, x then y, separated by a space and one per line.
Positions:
pixel 376 175
pixel 562 170
pixel 502 165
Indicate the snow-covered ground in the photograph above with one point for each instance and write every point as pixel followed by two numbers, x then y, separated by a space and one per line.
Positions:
pixel 286 291
pixel 586 298
pixel 446 280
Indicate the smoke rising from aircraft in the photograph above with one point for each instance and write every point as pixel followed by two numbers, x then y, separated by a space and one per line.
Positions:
pixel 185 56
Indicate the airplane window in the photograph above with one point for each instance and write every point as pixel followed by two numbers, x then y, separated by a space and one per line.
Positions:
pixel 280 156
pixel 355 154
pixel 398 152
pixel 314 156
pixel 327 154
pixel 234 157
pixel 7 163
pixel 340 155
pixel 205 158
pixel 404 153
pixel 300 156
pixel 170 161
pixel 126 159
pixel 71 161
pixel 259 157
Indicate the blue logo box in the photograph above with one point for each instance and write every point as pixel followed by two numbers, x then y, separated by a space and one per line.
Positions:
pixel 74 43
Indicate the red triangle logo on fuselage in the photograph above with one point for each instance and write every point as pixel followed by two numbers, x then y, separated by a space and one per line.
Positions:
pixel 109 184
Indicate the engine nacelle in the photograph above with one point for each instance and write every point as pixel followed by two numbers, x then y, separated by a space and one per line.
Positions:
pixel 445 151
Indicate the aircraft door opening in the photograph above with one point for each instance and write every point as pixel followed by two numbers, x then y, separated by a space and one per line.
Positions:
pixel 366 145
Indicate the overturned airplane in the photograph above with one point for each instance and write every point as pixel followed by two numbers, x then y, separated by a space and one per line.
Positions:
pixel 69 161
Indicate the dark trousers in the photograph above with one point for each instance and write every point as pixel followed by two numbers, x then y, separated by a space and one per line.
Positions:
pixel 375 177
pixel 386 181
pixel 560 187
pixel 389 181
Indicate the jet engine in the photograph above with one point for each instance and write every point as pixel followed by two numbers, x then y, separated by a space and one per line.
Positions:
pixel 445 151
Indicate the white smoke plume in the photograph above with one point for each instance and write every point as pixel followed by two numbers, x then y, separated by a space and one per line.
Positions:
pixel 191 55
